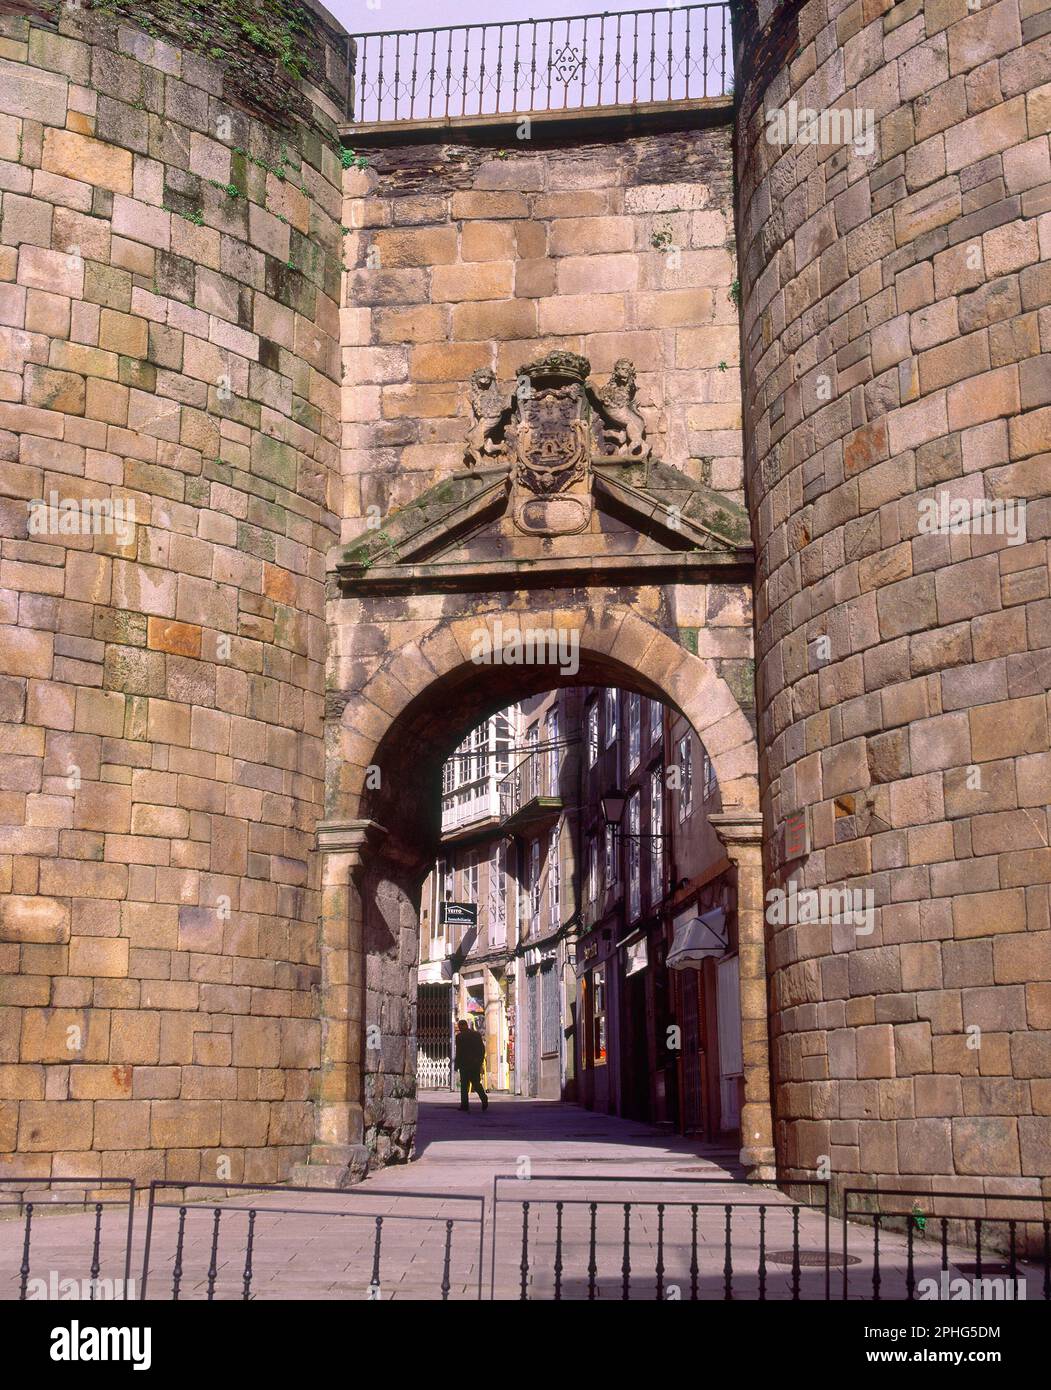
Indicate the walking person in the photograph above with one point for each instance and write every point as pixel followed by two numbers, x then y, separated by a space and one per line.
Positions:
pixel 470 1054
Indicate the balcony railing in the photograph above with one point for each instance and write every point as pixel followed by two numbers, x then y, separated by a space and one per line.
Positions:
pixel 520 67
pixel 535 776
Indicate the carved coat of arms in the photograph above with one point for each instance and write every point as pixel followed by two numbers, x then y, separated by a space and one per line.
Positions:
pixel 556 424
pixel 552 443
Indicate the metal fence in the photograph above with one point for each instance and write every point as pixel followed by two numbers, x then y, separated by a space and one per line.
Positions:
pixel 59 1256
pixel 670 53
pixel 659 1239
pixel 949 1236
pixel 552 1238
pixel 240 1241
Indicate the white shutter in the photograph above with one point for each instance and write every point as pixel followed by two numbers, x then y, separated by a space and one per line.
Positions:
pixel 493 898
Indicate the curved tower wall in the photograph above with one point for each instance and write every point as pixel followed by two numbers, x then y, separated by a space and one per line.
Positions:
pixel 169 286
pixel 896 338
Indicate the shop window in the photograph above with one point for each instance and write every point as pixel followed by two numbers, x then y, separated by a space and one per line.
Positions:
pixel 598 1024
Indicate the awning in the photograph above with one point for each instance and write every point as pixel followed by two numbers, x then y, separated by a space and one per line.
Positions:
pixel 636 957
pixel 698 939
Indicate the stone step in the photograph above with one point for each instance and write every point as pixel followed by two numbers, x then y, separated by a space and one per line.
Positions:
pixel 332 1166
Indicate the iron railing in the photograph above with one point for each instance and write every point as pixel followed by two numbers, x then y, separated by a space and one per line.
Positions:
pixel 944 1243
pixel 520 67
pixel 668 1245
pixel 108 1241
pixel 554 1237
pixel 245 1258
pixel 536 775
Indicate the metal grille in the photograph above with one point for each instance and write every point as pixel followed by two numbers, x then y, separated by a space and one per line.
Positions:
pixel 433 1038
pixel 549 1008
pixel 544 65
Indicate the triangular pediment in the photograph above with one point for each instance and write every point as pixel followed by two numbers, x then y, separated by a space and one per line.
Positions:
pixel 649 516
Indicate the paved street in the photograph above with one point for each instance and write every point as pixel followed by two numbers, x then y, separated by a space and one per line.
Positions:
pixel 309 1245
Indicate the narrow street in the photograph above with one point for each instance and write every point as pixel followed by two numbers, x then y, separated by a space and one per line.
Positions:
pixel 467 1151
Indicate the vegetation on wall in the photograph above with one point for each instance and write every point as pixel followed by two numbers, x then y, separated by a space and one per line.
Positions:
pixel 265 47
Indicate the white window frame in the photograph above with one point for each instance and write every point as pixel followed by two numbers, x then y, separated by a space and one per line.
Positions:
pixel 707 776
pixel 498 894
pixel 534 886
pixel 532 763
pixel 634 855
pixel 611 856
pixel 656 829
pixel 593 738
pixel 634 730
pixel 656 720
pixel 554 881
pixel 611 715
pixel 470 877
pixel 441 879
pixel 553 759
pixel 685 776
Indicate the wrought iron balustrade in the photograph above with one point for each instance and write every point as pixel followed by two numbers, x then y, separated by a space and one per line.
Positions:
pixel 537 775
pixel 101 1268
pixel 520 67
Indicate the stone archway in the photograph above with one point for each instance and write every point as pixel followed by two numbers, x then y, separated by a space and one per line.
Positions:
pixel 390 731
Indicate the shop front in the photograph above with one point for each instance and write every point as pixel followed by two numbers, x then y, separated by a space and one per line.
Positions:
pixel 596 979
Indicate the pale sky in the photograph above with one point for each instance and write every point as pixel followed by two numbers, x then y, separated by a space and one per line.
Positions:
pixel 368 16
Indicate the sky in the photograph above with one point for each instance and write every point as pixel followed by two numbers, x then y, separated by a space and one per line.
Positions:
pixel 368 16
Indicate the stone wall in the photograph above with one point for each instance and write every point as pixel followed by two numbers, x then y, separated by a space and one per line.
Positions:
pixel 462 256
pixel 897 345
pixel 467 256
pixel 169 287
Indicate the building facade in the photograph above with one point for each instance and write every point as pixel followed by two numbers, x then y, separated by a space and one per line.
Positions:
pixel 508 855
pixel 655 1041
pixel 565 969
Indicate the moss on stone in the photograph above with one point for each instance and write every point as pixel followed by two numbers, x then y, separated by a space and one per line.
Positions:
pixel 739 675
pixel 416 516
pixel 266 48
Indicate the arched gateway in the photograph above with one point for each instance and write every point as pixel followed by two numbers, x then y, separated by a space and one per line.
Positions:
pixel 570 555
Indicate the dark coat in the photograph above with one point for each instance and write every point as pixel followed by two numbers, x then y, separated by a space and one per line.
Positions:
pixel 470 1052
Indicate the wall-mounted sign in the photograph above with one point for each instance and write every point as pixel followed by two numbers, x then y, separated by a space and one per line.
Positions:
pixel 589 949
pixel 793 838
pixel 459 914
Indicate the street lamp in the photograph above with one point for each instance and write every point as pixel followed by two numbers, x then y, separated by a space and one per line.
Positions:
pixel 613 804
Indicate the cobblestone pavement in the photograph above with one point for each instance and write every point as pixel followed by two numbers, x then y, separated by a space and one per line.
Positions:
pixel 310 1245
